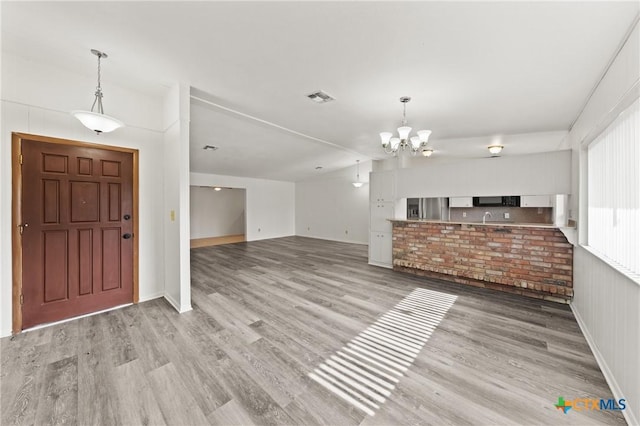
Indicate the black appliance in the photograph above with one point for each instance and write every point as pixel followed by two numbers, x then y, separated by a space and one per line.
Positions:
pixel 508 201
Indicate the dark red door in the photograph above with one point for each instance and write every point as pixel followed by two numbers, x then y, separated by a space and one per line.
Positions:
pixel 77 240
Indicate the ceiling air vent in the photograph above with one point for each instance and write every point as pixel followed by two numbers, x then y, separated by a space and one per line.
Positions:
pixel 320 97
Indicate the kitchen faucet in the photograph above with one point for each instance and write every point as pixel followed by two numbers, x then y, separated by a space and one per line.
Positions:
pixel 484 217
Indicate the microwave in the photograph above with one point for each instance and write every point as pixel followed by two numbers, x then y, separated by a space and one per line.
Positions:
pixel 508 201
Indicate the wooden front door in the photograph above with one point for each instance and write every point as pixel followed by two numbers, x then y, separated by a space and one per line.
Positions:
pixel 77 230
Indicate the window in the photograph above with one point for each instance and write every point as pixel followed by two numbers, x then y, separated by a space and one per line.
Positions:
pixel 613 192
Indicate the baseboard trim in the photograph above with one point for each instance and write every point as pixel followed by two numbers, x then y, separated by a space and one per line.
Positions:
pixel 333 239
pixel 177 306
pixel 628 414
pixel 381 265
pixel 151 297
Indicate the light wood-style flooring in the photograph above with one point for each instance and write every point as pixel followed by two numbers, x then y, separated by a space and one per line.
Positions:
pixel 217 241
pixel 266 315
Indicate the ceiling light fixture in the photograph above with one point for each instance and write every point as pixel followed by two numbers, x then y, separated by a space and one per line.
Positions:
pixel 392 144
pixel 357 183
pixel 426 152
pixel 495 149
pixel 97 121
pixel 217 188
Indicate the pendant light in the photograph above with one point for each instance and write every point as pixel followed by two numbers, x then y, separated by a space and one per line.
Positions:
pixel 97 120
pixel 357 183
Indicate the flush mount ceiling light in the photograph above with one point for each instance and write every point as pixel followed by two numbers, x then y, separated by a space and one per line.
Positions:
pixel 426 152
pixel 97 121
pixel 217 188
pixel 392 144
pixel 357 183
pixel 495 149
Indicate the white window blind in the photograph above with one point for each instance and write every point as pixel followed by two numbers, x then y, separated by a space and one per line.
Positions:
pixel 613 190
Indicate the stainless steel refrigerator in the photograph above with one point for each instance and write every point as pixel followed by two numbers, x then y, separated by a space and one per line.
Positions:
pixel 428 208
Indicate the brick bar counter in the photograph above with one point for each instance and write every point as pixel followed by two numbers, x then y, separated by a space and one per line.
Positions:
pixel 534 261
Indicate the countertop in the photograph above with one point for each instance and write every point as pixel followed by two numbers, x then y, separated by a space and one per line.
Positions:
pixel 520 225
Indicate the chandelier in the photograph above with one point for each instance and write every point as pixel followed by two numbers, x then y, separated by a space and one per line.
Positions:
pixel 97 121
pixel 392 145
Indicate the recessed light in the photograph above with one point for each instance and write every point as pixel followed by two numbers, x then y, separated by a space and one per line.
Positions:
pixel 320 97
pixel 211 147
pixel 217 188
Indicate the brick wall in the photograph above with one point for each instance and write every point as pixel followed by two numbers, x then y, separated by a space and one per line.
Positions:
pixel 531 261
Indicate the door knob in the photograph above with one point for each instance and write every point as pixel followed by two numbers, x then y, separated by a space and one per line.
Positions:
pixel 127 216
pixel 126 236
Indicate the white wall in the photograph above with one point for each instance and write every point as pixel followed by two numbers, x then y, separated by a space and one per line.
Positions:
pixel 330 207
pixel 216 213
pixel 270 208
pixel 532 174
pixel 606 302
pixel 31 103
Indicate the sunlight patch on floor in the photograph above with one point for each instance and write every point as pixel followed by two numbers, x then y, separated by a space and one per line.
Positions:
pixel 366 370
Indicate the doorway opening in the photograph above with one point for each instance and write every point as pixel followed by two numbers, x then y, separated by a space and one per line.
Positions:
pixel 218 215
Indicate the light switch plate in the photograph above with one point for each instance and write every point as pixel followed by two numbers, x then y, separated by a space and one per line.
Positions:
pixel 173 215
pixel 506 215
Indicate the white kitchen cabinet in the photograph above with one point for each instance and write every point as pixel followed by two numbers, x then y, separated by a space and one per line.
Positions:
pixel 381 249
pixel 382 186
pixel 536 201
pixel 380 215
pixel 460 201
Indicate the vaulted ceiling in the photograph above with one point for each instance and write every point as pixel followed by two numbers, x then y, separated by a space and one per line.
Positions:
pixel 518 71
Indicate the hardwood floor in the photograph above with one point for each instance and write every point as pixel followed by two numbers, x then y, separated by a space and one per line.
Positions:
pixel 268 314
pixel 216 241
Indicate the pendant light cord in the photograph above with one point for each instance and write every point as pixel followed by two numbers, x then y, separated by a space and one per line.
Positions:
pixel 98 94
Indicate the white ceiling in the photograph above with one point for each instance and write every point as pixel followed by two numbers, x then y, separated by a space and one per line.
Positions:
pixel 475 70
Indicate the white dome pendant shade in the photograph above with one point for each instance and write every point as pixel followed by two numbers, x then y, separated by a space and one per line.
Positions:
pixel 97 121
pixel 392 145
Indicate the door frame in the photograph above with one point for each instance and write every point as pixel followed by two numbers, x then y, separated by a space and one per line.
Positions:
pixel 16 213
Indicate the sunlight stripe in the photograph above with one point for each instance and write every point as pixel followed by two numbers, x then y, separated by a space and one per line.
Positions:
pixel 342 395
pixel 359 377
pixel 372 361
pixel 344 387
pixel 375 371
pixel 363 349
pixel 351 382
pixel 361 372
